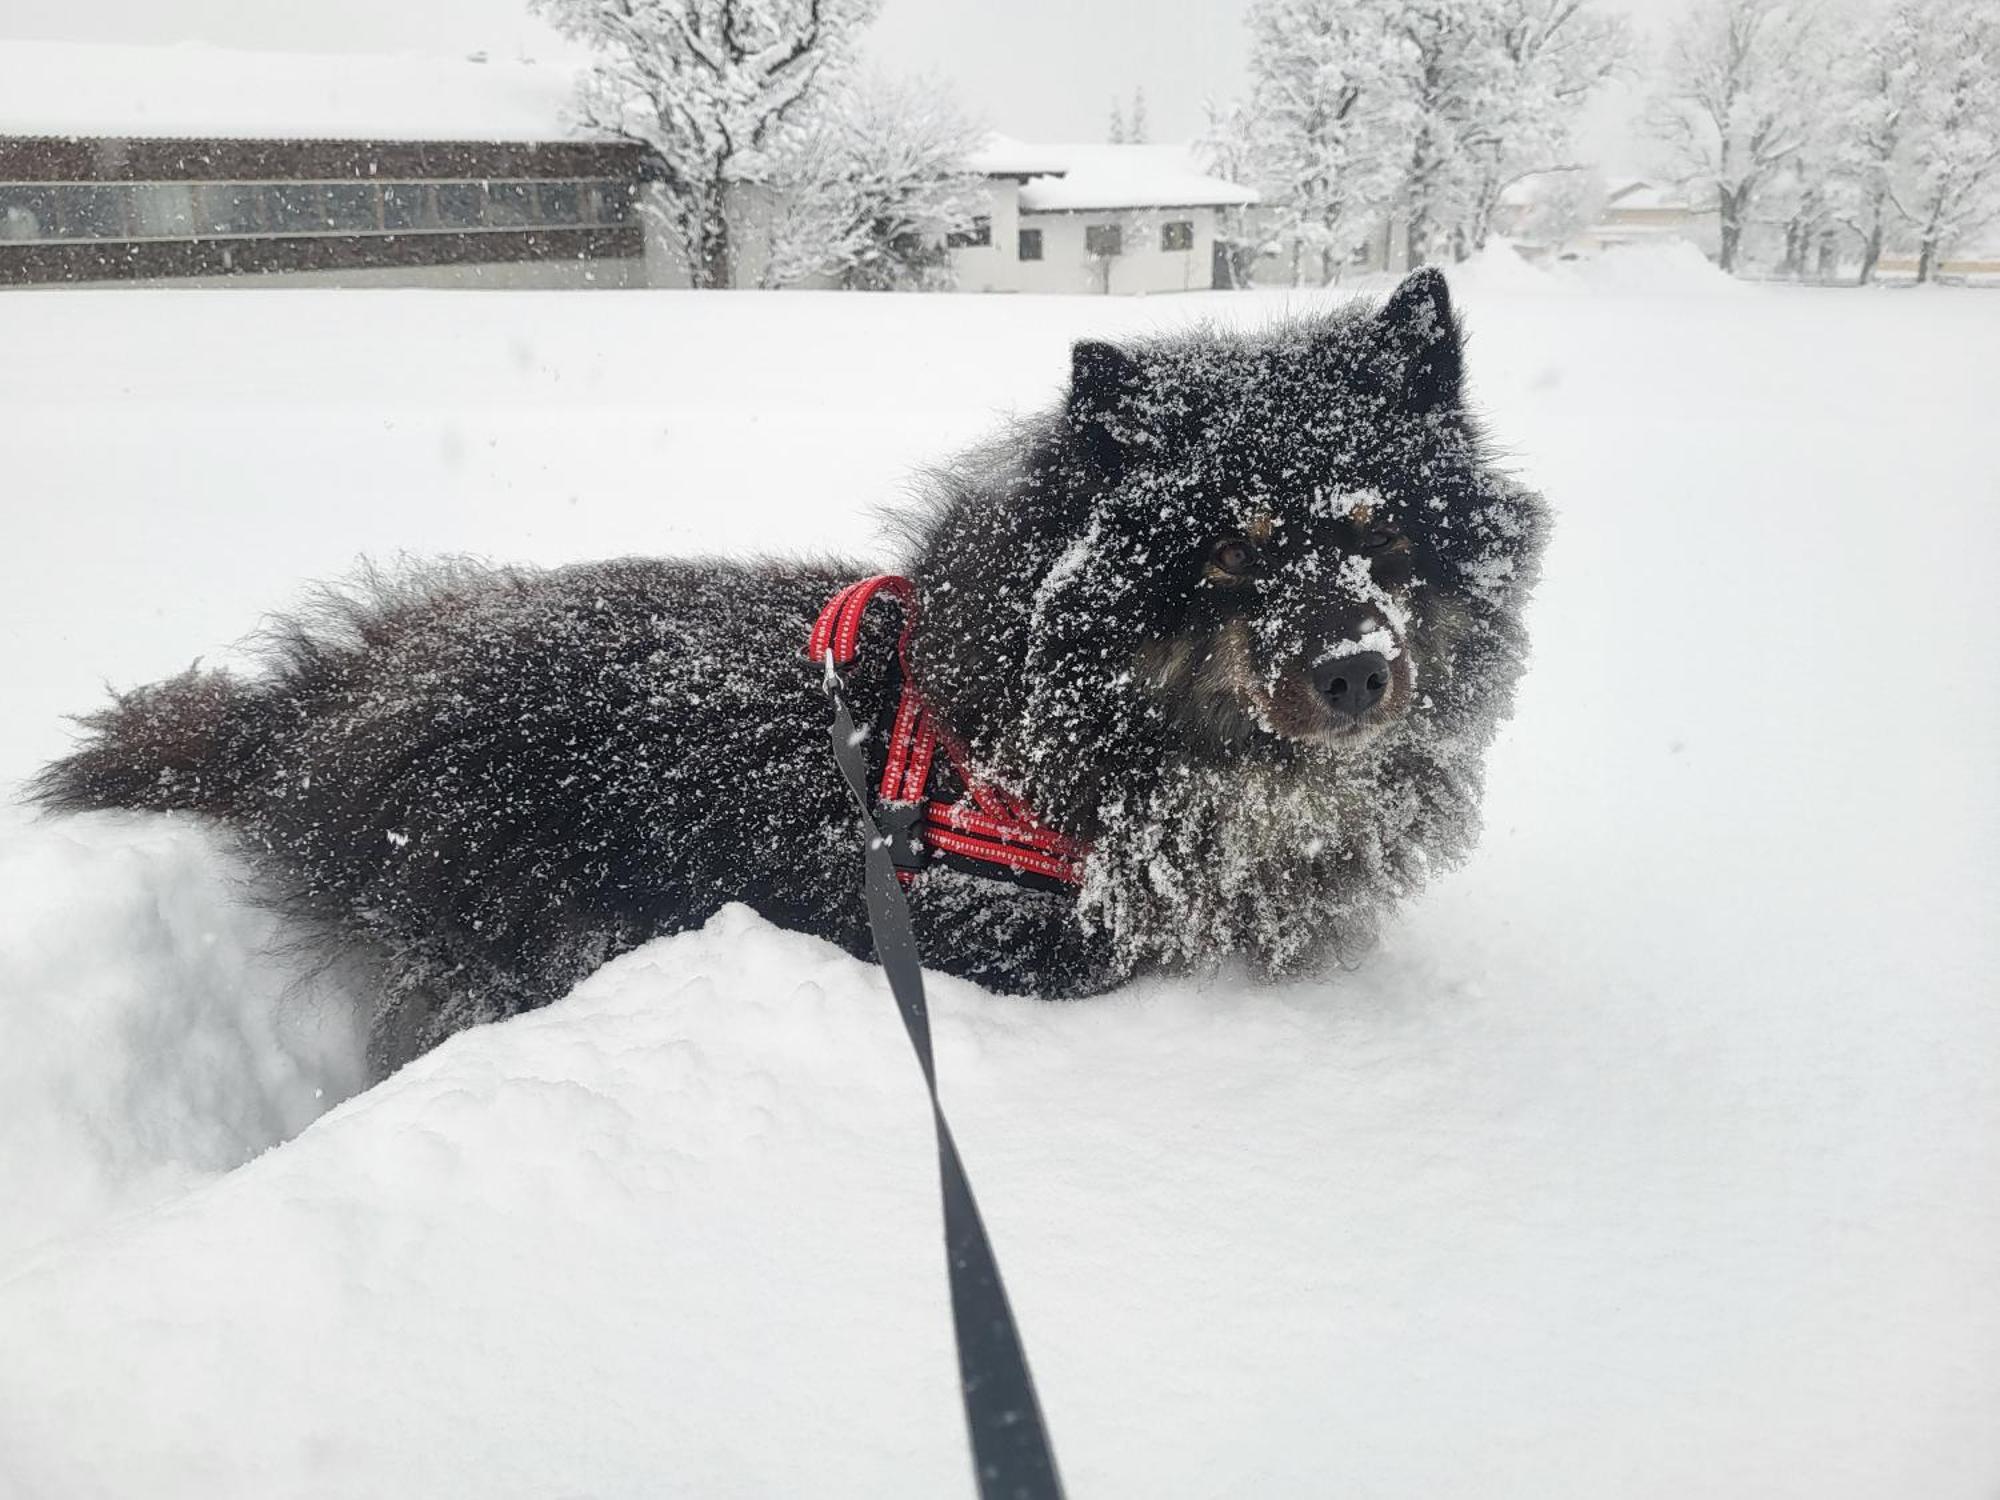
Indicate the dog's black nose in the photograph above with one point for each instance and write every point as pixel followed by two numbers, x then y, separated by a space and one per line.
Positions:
pixel 1353 684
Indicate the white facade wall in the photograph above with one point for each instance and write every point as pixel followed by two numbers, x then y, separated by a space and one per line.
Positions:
pixel 1140 267
pixel 1067 266
pixel 990 267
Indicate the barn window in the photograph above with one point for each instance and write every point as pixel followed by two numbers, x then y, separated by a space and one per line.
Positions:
pixel 403 205
pixel 95 213
pixel 1104 239
pixel 229 208
pixel 296 208
pixel 508 205
pixel 165 210
pixel 350 207
pixel 27 212
pixel 1177 234
pixel 561 203
pixel 458 205
pixel 33 212
pixel 613 202
pixel 1031 244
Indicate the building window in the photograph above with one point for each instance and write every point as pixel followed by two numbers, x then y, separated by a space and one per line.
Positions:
pixel 403 206
pixel 981 233
pixel 27 212
pixel 42 211
pixel 296 208
pixel 1177 234
pixel 561 203
pixel 165 210
pixel 509 205
pixel 1031 244
pixel 1104 239
pixel 350 208
pixel 612 202
pixel 458 205
pixel 229 208
pixel 95 213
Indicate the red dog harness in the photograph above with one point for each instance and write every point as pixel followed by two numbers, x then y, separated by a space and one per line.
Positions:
pixel 985 827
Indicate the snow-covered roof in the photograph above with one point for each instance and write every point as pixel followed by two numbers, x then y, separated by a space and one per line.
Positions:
pixel 1526 192
pixel 1639 193
pixel 1068 177
pixel 197 91
pixel 1003 156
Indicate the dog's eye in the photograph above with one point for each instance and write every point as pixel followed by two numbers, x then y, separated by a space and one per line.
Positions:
pixel 1392 569
pixel 1232 559
pixel 1389 557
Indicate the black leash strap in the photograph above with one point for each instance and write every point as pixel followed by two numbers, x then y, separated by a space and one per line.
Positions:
pixel 1010 1447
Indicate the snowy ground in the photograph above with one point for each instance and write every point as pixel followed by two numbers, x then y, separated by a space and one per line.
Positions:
pixel 1657 1154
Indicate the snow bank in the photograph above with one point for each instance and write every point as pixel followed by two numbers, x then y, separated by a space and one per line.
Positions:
pixel 1663 268
pixel 153 1034
pixel 1667 266
pixel 679 1231
pixel 1500 269
pixel 675 1233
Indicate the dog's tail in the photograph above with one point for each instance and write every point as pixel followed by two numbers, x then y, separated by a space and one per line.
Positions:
pixel 175 746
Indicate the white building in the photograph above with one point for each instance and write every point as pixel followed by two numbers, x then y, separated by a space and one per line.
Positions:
pixel 1571 214
pixel 1124 219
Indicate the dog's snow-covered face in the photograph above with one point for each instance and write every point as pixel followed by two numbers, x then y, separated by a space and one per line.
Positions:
pixel 1292 515
pixel 1296 628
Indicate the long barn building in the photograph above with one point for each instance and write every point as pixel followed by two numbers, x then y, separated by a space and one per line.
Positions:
pixel 191 164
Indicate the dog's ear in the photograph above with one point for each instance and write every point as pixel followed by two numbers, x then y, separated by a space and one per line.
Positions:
pixel 1421 350
pixel 1103 380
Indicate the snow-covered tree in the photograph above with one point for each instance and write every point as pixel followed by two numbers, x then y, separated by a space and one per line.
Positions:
pixel 1734 104
pixel 1425 109
pixel 1529 78
pixel 1118 132
pixel 1448 68
pixel 872 185
pixel 1325 124
pixel 706 85
pixel 1807 200
pixel 1227 150
pixel 1945 177
pixel 1869 83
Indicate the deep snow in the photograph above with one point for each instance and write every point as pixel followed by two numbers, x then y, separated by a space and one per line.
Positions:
pixel 1657 1153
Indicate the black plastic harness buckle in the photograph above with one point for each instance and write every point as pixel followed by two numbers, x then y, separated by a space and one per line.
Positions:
pixel 898 822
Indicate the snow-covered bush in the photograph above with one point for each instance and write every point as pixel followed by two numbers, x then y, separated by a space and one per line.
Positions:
pixel 870 187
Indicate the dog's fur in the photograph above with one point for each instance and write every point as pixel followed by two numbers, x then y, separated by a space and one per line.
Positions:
pixel 496 779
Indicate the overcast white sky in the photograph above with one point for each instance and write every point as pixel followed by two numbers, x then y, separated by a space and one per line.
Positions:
pixel 1040 69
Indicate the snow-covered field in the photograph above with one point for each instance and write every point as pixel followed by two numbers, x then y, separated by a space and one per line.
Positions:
pixel 1656 1154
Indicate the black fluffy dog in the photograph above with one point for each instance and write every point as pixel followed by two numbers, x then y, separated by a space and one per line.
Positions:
pixel 1242 614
